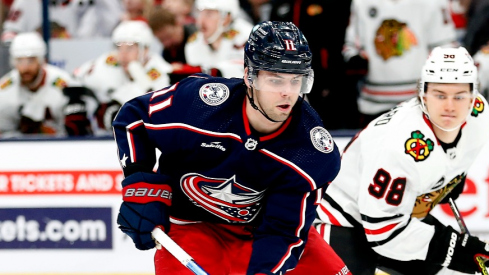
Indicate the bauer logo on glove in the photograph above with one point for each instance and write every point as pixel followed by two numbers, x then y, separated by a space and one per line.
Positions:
pixel 146 192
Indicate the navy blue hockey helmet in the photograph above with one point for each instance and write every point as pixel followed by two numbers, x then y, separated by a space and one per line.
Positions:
pixel 279 47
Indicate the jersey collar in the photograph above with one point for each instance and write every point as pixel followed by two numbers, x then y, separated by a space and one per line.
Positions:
pixel 266 137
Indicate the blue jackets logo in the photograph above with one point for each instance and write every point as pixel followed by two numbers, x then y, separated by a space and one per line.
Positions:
pixel 56 228
pixel 224 198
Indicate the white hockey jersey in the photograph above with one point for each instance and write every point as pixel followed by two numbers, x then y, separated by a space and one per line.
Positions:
pixel 46 104
pixel 394 172
pixel 72 18
pixel 228 58
pixel 396 36
pixel 481 59
pixel 107 79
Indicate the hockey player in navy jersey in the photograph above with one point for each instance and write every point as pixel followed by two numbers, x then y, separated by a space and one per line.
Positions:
pixel 242 168
pixel 405 162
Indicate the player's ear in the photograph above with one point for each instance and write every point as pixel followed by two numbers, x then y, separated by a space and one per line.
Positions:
pixel 246 77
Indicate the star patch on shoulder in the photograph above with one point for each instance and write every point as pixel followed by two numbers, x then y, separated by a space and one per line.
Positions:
pixel 418 147
pixel 478 107
pixel 214 93
pixel 322 139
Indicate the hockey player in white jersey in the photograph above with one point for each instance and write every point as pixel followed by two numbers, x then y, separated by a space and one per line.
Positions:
pixel 68 18
pixel 33 96
pixel 218 46
pixel 132 70
pixel 405 162
pixel 391 39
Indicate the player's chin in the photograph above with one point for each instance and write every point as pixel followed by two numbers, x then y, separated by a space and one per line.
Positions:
pixel 281 117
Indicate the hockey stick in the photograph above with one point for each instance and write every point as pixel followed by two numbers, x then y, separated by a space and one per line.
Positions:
pixel 465 230
pixel 177 251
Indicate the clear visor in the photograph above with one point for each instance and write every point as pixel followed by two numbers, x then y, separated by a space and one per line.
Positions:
pixel 26 61
pixel 282 82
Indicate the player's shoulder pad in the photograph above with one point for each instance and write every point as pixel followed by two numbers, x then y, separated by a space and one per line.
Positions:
pixel 212 91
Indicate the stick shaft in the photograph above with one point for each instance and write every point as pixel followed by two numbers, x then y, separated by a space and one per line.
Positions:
pixel 177 251
pixel 463 229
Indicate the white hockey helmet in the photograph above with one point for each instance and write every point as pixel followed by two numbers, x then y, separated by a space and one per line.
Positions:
pixel 133 31
pixel 449 65
pixel 28 44
pixel 224 6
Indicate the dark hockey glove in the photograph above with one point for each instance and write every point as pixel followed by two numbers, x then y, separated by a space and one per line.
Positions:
pixel 146 205
pixel 357 65
pixel 106 113
pixel 457 251
pixel 75 112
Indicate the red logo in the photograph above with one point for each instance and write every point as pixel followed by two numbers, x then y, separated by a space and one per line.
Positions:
pixel 289 44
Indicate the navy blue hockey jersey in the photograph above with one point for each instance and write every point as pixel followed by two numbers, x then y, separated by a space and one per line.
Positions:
pixel 223 171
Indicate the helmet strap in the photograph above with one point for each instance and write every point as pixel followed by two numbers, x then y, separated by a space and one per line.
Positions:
pixel 252 102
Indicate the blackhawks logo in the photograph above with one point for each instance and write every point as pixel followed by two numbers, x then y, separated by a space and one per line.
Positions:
pixel 426 202
pixel 60 83
pixel 478 107
pixel 418 147
pixel 111 61
pixel 393 38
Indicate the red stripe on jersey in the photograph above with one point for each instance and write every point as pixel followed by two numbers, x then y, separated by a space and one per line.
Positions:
pixel 322 229
pixel 303 208
pixel 332 219
pixel 293 166
pixel 245 119
pixel 380 230
pixel 279 131
pixel 171 126
pixel 267 137
pixel 130 138
pixel 286 256
pixel 163 91
pixel 389 93
pixel 153 108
